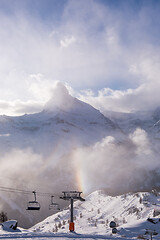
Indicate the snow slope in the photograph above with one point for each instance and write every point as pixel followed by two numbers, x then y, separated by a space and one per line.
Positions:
pixel 130 212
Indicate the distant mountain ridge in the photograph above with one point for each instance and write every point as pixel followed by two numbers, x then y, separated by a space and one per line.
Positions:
pixel 146 120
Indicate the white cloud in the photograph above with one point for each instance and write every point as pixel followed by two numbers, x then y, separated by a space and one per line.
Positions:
pixel 67 41
pixel 18 107
pixel 143 98
pixel 140 139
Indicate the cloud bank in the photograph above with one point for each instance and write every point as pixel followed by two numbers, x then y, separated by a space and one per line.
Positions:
pixel 143 98
pixel 118 167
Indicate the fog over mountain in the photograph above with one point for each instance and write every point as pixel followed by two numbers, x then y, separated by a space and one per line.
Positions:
pixel 71 145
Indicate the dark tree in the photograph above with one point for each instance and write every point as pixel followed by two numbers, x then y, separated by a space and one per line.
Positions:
pixel 3 217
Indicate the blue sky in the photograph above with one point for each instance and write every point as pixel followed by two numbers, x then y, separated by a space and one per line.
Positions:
pixel 107 51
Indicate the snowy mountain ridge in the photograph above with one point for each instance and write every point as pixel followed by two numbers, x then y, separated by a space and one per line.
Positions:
pixel 146 120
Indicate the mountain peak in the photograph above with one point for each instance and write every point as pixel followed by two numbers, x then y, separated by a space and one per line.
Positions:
pixel 61 99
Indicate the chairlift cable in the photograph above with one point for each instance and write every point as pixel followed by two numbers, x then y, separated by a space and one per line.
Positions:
pixel 14 190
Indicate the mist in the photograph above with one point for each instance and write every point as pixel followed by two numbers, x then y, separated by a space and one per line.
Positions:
pixel 119 167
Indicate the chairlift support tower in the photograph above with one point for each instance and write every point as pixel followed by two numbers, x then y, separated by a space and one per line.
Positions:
pixel 71 196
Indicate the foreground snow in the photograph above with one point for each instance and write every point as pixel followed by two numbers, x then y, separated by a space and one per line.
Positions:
pixel 134 230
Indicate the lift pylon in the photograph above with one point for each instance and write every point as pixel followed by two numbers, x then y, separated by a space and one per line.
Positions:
pixel 72 195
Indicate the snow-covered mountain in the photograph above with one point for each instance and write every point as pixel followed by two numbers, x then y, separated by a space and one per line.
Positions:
pixel 64 119
pixel 129 211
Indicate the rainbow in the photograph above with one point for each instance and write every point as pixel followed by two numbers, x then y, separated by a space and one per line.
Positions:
pixel 81 179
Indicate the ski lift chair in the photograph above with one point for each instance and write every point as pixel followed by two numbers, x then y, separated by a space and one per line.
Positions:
pixel 33 205
pixel 53 204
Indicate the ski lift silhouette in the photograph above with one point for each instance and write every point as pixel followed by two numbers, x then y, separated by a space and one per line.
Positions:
pixel 53 205
pixel 33 205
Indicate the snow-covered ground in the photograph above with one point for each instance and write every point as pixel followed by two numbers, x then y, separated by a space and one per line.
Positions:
pixel 137 215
